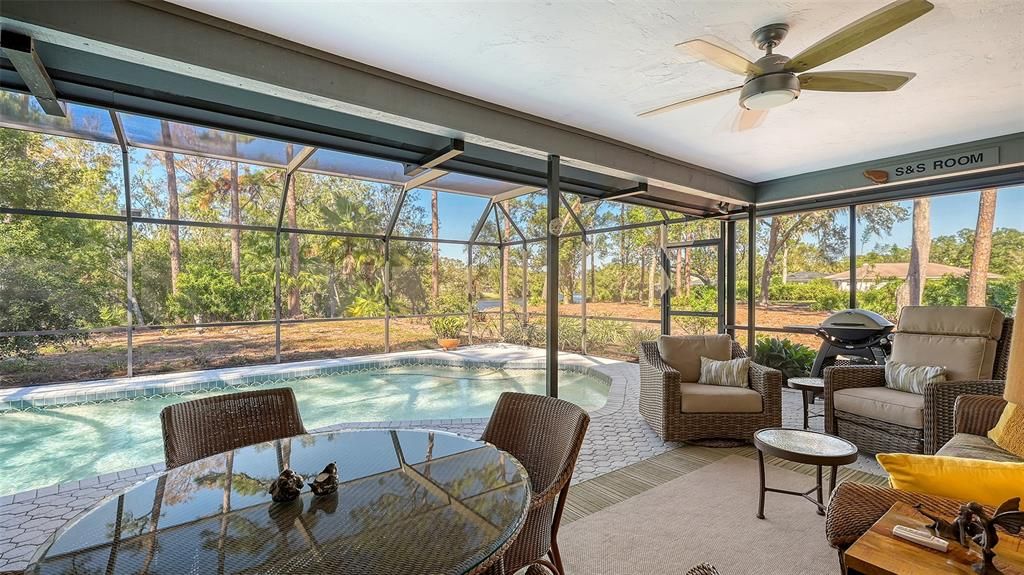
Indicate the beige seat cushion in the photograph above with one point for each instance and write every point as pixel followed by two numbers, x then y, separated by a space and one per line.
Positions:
pixel 701 398
pixel 882 404
pixel 683 352
pixel 961 339
pixel 986 322
pixel 965 358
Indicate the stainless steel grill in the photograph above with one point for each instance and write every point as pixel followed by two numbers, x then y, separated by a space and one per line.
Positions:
pixel 858 335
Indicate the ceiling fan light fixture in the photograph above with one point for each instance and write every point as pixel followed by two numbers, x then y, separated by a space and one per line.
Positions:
pixel 771 91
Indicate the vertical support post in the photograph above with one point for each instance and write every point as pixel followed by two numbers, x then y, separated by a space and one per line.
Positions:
pixel 129 256
pixel 551 321
pixel 387 295
pixel 502 290
pixel 469 290
pixel 751 270
pixel 853 257
pixel 526 279
pixel 277 267
pixel 666 279
pixel 583 292
pixel 722 272
pixel 730 270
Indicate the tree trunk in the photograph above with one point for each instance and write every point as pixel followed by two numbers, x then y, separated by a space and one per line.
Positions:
pixel 920 247
pixel 593 275
pixel 769 260
pixel 294 294
pixel 977 282
pixel 623 273
pixel 687 271
pixel 785 264
pixel 652 275
pixel 173 214
pixel 236 219
pixel 679 270
pixel 435 268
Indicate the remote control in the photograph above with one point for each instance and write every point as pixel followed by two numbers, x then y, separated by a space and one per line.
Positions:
pixel 920 537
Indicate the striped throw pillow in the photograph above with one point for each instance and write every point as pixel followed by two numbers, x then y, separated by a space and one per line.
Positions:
pixel 912 378
pixel 731 373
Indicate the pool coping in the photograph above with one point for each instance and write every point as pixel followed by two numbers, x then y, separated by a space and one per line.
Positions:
pixel 605 369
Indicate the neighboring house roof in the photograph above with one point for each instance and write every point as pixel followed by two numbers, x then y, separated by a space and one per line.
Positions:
pixel 804 276
pixel 899 270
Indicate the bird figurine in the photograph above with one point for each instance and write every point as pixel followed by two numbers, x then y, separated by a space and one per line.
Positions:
pixel 326 482
pixel 286 487
pixel 942 528
pixel 1008 516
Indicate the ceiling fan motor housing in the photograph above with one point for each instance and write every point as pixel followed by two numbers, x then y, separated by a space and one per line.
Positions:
pixel 773 87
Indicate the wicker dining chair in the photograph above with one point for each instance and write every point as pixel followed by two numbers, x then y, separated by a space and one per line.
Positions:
pixel 545 434
pixel 203 427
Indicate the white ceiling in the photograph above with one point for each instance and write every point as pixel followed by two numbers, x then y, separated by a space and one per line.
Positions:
pixel 594 65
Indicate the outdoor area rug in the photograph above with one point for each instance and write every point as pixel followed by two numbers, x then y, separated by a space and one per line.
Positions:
pixel 706 513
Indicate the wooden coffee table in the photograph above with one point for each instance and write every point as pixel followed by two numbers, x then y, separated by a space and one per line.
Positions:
pixel 802 446
pixel 878 552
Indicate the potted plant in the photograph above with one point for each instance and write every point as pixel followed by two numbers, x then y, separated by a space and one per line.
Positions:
pixel 447 329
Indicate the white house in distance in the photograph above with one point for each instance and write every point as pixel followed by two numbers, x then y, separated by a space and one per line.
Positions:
pixel 873 275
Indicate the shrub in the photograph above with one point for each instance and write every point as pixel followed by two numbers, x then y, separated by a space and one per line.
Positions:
pixel 447 327
pixel 519 333
pixel 570 333
pixel 792 359
pixel 603 332
pixel 632 341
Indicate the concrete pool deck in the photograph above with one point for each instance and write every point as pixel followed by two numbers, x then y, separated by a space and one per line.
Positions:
pixel 617 437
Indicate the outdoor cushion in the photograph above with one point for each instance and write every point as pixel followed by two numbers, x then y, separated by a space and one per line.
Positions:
pixel 1008 433
pixel 882 404
pixel 965 358
pixel 683 352
pixel 987 482
pixel 699 398
pixel 912 378
pixel 986 322
pixel 730 373
pixel 975 447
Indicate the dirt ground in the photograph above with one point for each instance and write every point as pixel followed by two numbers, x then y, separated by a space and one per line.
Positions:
pixel 184 349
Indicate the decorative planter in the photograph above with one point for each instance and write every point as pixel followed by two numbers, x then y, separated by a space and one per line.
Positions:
pixel 448 344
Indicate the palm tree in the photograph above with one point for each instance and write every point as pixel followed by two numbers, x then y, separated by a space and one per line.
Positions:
pixel 977 281
pixel 920 248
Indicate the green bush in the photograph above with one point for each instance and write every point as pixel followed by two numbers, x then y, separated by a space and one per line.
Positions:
pixel 519 333
pixel 603 332
pixel 447 327
pixel 367 302
pixel 792 359
pixel 207 294
pixel 570 333
pixel 633 339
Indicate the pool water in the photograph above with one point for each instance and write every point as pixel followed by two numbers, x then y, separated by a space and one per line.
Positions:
pixel 40 447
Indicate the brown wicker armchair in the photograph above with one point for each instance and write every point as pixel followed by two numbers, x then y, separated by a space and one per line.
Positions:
pixel 855 507
pixel 661 401
pixel 211 425
pixel 545 434
pixel 874 435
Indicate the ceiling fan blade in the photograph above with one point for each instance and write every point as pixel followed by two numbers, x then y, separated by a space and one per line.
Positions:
pixel 859 33
pixel 749 119
pixel 718 56
pixel 843 81
pixel 687 102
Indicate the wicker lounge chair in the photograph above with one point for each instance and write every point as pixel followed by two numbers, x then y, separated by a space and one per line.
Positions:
pixel 545 435
pixel 211 425
pixel 859 407
pixel 661 398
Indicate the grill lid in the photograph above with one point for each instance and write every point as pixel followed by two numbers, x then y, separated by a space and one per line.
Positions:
pixel 857 319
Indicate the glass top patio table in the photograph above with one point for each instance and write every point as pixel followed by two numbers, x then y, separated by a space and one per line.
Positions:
pixel 408 502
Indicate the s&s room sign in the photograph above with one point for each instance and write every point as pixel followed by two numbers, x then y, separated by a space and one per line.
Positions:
pixel 939 165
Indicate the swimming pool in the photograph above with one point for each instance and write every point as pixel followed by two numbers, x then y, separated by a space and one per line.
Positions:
pixel 43 446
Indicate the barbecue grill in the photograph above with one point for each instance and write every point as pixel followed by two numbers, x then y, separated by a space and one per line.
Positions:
pixel 859 335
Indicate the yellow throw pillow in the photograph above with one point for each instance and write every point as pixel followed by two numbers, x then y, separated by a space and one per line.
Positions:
pixel 1009 431
pixel 986 482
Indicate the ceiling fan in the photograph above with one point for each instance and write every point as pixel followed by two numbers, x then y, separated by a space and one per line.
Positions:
pixel 774 80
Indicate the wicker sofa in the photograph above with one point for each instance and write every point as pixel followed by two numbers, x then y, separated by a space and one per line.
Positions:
pixel 662 393
pixel 854 507
pixel 859 407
